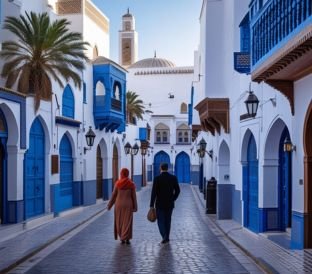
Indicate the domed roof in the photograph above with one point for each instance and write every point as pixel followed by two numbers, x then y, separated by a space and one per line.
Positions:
pixel 153 63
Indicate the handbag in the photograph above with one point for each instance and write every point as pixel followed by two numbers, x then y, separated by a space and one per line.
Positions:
pixel 151 215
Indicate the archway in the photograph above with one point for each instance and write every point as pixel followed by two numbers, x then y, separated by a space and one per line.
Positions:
pixel 182 168
pixel 307 145
pixel 66 173
pixel 276 179
pixel 99 173
pixel 115 165
pixel 250 186
pixel 160 157
pixel 3 167
pixel 35 171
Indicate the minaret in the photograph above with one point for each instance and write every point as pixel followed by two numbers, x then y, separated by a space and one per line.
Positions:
pixel 128 41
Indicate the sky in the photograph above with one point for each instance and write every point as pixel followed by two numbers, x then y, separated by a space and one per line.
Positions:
pixel 169 27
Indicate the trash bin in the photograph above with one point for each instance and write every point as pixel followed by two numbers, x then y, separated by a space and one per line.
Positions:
pixel 211 196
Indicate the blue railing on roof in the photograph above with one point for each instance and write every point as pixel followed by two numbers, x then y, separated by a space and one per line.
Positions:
pixel 275 22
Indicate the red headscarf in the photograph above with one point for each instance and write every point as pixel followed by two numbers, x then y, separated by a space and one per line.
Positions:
pixel 124 182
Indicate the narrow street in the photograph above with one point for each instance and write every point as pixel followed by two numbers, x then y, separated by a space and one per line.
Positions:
pixel 194 246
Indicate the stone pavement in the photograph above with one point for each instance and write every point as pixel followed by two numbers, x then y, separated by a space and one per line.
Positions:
pixel 272 257
pixel 196 246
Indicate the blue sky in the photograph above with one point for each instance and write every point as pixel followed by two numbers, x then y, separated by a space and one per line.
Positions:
pixel 171 27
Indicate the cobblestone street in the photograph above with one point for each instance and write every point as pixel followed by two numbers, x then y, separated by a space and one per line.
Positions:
pixel 194 247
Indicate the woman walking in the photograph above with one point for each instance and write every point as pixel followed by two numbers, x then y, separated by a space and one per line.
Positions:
pixel 124 198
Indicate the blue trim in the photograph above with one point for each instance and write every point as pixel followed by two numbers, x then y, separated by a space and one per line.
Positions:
pixel 15 211
pixel 142 133
pixel 182 167
pixel 67 121
pixel 89 192
pixel 149 173
pixel 68 103
pixel 107 188
pixel 77 196
pixel 224 201
pixel 297 230
pixel 190 107
pixel 21 100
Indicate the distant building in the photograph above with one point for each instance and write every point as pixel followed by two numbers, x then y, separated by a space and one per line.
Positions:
pixel 128 41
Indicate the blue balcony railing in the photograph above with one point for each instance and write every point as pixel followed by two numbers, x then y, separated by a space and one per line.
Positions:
pixel 275 23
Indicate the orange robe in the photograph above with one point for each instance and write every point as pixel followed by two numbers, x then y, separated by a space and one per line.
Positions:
pixel 125 204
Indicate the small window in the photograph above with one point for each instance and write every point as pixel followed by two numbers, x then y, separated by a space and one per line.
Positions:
pixel 100 89
pixel 158 137
pixel 117 92
pixel 68 103
pixel 183 108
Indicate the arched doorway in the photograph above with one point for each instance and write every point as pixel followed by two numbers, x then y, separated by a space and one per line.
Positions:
pixel 306 223
pixel 3 167
pixel 250 178
pixel 115 164
pixel 284 183
pixel 35 171
pixel 99 173
pixel 160 157
pixel 66 173
pixel 182 168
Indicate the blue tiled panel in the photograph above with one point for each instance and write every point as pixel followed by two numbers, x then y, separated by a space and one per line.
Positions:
pixel 297 230
pixel 88 192
pixel 224 201
pixel 195 174
pixel 15 211
pixel 60 202
pixel 138 181
pixel 149 174
pixel 107 188
pixel 237 206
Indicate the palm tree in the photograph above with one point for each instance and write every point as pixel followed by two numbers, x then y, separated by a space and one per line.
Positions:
pixel 45 50
pixel 135 108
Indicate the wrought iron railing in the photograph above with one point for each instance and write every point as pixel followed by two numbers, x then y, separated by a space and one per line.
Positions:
pixel 275 22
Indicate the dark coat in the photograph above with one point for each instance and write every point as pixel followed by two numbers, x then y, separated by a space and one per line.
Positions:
pixel 165 191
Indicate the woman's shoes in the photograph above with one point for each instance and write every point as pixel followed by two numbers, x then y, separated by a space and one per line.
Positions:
pixel 122 242
pixel 127 242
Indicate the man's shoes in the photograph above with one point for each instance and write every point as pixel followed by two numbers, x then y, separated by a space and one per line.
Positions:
pixel 164 241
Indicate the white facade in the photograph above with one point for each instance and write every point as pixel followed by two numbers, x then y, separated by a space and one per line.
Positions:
pixel 219 39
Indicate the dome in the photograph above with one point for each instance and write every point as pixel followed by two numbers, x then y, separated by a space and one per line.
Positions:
pixel 153 63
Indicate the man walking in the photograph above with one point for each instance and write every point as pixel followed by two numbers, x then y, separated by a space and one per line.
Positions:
pixel 165 191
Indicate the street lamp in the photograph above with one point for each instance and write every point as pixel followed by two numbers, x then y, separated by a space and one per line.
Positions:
pixel 201 150
pixel 132 151
pixel 144 146
pixel 288 146
pixel 251 103
pixel 90 136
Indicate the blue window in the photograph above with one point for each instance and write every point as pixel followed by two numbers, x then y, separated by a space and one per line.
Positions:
pixel 142 133
pixel 245 34
pixel 68 106
pixel 84 93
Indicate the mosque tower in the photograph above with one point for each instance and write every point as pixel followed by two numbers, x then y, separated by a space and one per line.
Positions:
pixel 128 41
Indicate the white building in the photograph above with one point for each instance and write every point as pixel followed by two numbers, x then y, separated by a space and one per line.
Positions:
pixel 259 185
pixel 165 89
pixel 45 164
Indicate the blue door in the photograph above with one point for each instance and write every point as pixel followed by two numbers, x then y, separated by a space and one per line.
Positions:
pixel 160 157
pixel 284 184
pixel 252 186
pixel 66 174
pixel 182 168
pixel 35 172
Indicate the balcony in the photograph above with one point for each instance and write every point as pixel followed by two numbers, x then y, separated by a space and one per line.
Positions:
pixel 281 44
pixel 107 117
pixel 214 114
